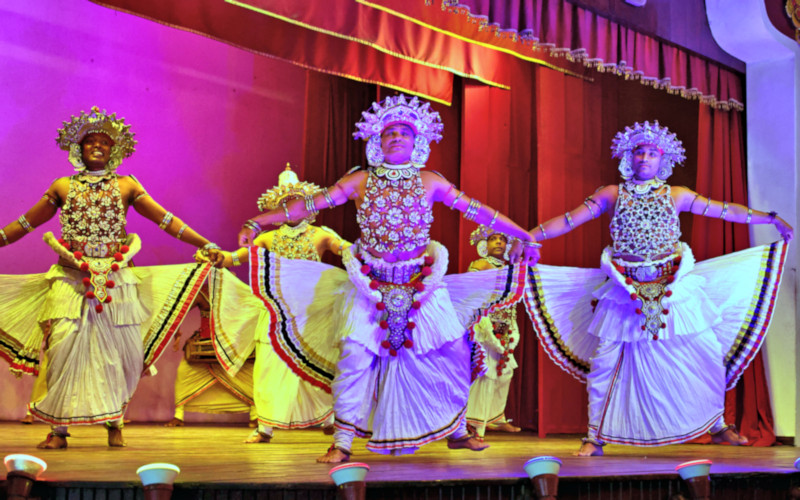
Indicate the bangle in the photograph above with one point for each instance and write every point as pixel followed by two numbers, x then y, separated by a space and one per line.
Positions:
pixel 5 238
pixel 693 200
pixel 25 224
pixel 181 230
pixel 708 204
pixel 544 234
pixel 51 200
pixel 209 246
pixel 252 225
pixel 165 221
pixel 724 210
pixel 494 218
pixel 140 196
pixel 591 210
pixel 569 220
pixel 453 205
pixel 286 211
pixel 328 198
pixel 772 216
pixel 235 258
pixel 749 216
pixel 472 210
pixel 310 206
pixel 531 243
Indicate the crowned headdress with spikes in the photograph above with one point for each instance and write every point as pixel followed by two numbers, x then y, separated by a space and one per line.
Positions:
pixel 426 124
pixel 626 141
pixel 96 121
pixel 481 235
pixel 289 186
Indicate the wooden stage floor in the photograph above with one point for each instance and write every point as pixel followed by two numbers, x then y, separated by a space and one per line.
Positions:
pixel 215 458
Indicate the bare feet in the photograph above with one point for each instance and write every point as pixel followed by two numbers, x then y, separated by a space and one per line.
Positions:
pixel 258 437
pixel 53 442
pixel 115 437
pixel 175 422
pixel 27 420
pixel 467 443
pixel 328 430
pixel 730 436
pixel 334 456
pixel 588 449
pixel 253 424
pixel 505 427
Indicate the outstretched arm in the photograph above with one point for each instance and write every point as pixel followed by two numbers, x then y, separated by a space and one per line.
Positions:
pixel 687 200
pixel 38 214
pixel 472 209
pixel 593 207
pixel 334 243
pixel 345 189
pixel 146 206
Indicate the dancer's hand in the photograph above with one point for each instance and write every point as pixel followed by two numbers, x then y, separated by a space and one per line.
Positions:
pixel 246 236
pixel 787 232
pixel 527 254
pixel 216 257
pixel 531 255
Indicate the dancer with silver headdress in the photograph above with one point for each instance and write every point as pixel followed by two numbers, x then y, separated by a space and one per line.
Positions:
pixel 282 399
pixel 106 321
pixel 387 336
pixel 498 335
pixel 653 326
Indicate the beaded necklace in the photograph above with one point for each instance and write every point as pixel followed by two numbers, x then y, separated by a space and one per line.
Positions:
pixel 295 242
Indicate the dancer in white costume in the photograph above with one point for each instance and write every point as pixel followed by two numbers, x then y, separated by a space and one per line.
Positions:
pixel 283 399
pixel 498 334
pixel 652 326
pixel 387 335
pixel 108 322
pixel 201 384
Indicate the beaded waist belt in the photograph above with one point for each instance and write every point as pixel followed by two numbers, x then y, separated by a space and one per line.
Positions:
pixel 397 273
pixel 97 250
pixel 644 272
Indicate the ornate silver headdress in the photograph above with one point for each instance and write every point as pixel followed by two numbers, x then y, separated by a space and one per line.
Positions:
pixel 625 142
pixel 427 126
pixel 70 137
pixel 289 186
pixel 479 237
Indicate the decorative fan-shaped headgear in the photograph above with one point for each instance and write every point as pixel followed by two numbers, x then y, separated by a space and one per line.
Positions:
pixel 289 186
pixel 479 237
pixel 70 137
pixel 625 142
pixel 426 124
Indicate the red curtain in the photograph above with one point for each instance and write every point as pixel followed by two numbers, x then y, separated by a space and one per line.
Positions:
pixel 721 147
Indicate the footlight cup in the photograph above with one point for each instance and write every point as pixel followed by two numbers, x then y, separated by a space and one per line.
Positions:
pixel 23 470
pixel 695 475
pixel 543 472
pixel 349 479
pixel 157 480
pixel 797 464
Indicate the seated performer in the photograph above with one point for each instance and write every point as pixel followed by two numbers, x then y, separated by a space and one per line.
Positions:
pixel 103 333
pixel 498 334
pixel 652 326
pixel 387 335
pixel 283 399
pixel 201 384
